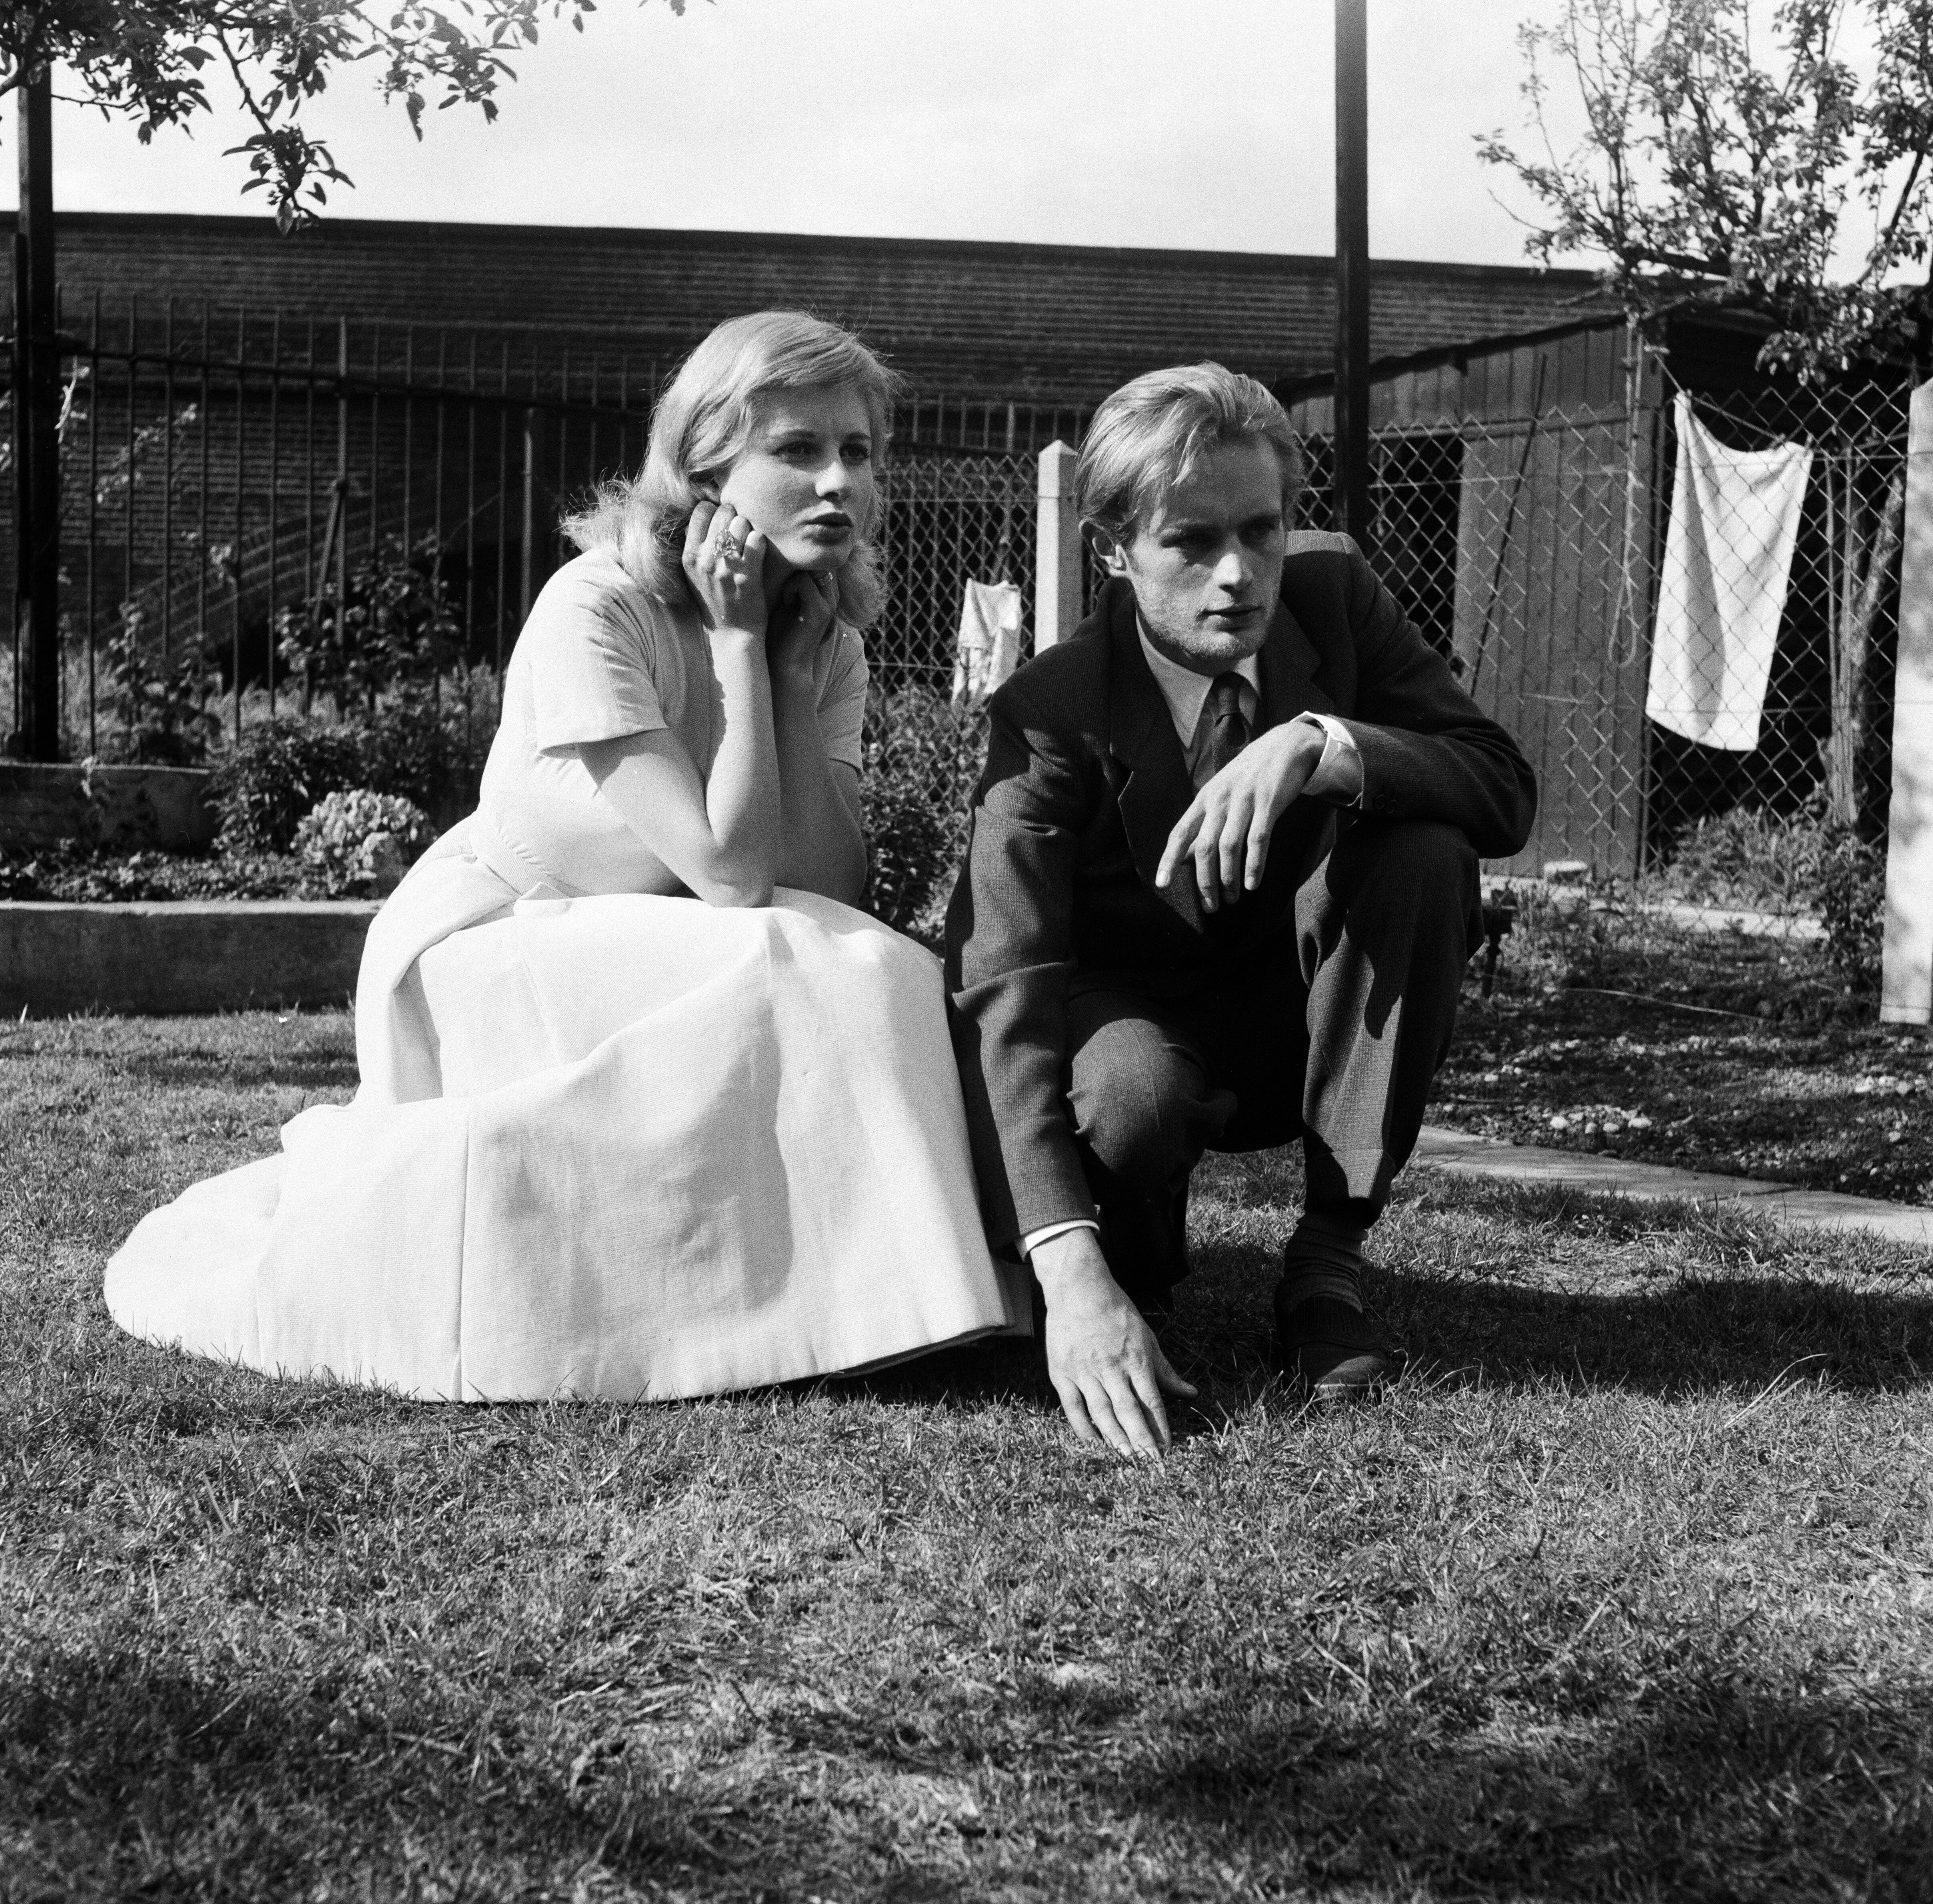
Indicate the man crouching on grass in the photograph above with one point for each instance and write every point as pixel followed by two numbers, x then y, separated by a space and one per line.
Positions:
pixel 1220 890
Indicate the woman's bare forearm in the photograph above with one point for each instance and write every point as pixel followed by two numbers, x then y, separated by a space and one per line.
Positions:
pixel 721 836
pixel 742 794
pixel 821 848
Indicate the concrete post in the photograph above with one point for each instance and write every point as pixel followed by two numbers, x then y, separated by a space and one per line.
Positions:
pixel 1906 986
pixel 1056 585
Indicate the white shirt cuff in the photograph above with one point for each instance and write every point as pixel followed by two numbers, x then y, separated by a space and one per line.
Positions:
pixel 1338 774
pixel 1032 1240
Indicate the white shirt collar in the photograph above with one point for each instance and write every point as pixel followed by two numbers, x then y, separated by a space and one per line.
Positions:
pixel 1185 691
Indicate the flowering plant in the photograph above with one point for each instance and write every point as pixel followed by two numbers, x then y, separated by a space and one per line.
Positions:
pixel 356 842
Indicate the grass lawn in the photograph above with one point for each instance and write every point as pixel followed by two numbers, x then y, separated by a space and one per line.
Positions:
pixel 1615 1031
pixel 1625 1592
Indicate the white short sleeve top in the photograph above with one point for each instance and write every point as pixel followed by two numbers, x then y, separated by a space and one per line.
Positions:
pixel 598 659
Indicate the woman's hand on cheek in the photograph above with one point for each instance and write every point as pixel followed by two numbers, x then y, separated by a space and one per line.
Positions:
pixel 800 620
pixel 724 563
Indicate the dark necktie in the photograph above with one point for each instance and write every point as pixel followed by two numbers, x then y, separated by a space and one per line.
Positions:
pixel 1227 732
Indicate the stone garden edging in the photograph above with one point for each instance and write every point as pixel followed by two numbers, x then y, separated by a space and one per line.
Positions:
pixel 1463 1153
pixel 178 955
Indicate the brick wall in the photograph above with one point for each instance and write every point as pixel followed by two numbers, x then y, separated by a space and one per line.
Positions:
pixel 1060 323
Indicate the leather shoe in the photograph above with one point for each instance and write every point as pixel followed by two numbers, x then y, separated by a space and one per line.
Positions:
pixel 1331 1351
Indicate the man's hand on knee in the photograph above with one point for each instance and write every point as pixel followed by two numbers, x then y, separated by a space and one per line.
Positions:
pixel 1228 824
pixel 1103 1361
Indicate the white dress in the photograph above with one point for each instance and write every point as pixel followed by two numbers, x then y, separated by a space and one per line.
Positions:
pixel 606 1143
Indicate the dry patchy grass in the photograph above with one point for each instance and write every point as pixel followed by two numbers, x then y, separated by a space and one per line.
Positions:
pixel 1626 1593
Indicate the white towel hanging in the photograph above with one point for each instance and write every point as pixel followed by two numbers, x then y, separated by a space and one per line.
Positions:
pixel 1727 567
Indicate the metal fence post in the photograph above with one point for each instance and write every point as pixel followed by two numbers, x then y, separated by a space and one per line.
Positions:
pixel 528 527
pixel 1056 595
pixel 341 490
pixel 36 476
pixel 1906 987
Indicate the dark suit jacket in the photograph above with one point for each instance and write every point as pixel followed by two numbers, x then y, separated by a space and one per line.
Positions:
pixel 1084 780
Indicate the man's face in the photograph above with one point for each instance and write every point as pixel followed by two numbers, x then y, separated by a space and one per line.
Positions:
pixel 1205 561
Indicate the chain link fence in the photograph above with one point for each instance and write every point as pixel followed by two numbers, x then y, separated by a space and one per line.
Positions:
pixel 1702 710
pixel 1679 592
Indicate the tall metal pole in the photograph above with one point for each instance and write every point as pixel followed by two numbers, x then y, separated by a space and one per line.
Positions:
pixel 37 392
pixel 1352 269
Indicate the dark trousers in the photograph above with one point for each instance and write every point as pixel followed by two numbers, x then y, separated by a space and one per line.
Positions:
pixel 1332 1032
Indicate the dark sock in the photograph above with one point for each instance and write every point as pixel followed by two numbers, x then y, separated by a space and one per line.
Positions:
pixel 1324 1257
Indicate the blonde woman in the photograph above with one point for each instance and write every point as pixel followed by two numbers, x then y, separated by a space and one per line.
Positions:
pixel 647 1108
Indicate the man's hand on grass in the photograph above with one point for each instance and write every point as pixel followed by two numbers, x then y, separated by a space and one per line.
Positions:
pixel 1103 1358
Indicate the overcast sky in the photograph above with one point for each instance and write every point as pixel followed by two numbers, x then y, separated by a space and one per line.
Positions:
pixel 1191 123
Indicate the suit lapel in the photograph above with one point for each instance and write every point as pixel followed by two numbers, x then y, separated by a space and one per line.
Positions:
pixel 1289 665
pixel 1141 737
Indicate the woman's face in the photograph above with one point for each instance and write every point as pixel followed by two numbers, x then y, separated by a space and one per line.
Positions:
pixel 806 477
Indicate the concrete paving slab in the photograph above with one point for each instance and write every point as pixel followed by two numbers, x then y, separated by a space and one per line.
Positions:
pixel 1463 1153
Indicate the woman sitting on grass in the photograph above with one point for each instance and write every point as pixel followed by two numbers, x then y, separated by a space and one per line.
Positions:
pixel 646 1109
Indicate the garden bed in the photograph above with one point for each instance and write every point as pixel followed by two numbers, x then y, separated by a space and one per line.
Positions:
pixel 70 874
pixel 1616 1029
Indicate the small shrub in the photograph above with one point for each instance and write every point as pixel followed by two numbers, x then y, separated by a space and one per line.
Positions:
pixel 1749 858
pixel 21 877
pixel 1850 893
pixel 281 769
pixel 921 758
pixel 416 750
pixel 397 627
pixel 907 851
pixel 157 706
pixel 358 843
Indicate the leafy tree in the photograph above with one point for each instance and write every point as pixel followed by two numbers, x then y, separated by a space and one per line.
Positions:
pixel 1728 153
pixel 146 62
pixel 1734 155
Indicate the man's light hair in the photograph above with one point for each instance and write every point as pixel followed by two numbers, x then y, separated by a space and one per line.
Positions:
pixel 702 423
pixel 1154 432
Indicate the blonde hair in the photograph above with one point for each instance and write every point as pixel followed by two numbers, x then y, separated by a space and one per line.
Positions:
pixel 702 423
pixel 1154 431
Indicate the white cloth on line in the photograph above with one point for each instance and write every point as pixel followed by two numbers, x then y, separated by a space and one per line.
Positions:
pixel 1734 523
pixel 989 649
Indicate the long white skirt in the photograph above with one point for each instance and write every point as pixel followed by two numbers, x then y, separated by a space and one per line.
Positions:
pixel 621 1147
